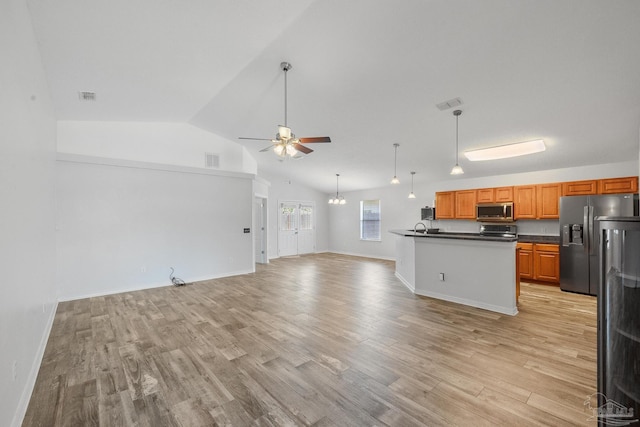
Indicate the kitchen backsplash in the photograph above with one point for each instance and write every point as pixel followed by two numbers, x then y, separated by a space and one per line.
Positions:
pixel 535 227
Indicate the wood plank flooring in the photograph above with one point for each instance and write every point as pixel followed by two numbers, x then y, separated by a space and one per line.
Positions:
pixel 323 340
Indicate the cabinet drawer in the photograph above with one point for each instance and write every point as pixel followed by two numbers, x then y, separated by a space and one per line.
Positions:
pixel 525 246
pixel 547 247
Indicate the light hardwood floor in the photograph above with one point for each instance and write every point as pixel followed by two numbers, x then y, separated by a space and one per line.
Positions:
pixel 318 340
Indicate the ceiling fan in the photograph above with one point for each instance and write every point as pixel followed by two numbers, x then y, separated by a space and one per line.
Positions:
pixel 285 142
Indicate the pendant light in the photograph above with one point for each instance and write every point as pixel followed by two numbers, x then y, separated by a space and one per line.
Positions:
pixel 338 200
pixel 395 179
pixel 411 195
pixel 457 170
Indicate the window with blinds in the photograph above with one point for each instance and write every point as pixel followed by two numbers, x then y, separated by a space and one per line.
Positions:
pixel 370 220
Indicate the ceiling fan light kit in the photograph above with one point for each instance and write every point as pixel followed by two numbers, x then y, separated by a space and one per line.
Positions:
pixel 506 151
pixel 286 143
pixel 457 169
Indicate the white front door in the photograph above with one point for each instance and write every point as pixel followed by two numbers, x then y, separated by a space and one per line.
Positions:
pixel 297 230
pixel 288 229
pixel 306 229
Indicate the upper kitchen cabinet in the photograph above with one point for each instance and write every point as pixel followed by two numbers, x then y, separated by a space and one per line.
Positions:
pixel 580 188
pixel 485 195
pixel 548 201
pixel 503 194
pixel 618 185
pixel 465 204
pixel 524 202
pixel 445 204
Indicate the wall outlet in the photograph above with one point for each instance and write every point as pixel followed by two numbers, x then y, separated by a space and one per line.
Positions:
pixel 441 277
pixel 143 269
pixel 14 370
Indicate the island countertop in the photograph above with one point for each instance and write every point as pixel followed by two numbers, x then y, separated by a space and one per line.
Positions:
pixel 454 235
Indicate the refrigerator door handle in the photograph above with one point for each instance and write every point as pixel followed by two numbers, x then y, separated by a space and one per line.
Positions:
pixel 586 233
pixel 591 232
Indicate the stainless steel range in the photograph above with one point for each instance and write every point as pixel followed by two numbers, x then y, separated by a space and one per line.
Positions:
pixel 499 230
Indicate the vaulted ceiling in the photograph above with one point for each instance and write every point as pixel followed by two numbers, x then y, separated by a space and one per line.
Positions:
pixel 367 73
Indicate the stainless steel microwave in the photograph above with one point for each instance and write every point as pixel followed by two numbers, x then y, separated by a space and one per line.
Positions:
pixel 495 212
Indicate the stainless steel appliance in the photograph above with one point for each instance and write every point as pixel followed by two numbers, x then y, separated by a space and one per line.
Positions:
pixel 501 230
pixel 428 213
pixel 494 212
pixel 579 244
pixel 619 320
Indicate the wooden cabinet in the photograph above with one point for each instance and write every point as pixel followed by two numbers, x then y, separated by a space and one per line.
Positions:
pixel 485 195
pixel 525 260
pixel 445 205
pixel 524 202
pixel 539 261
pixel 503 194
pixel 580 188
pixel 548 203
pixel 546 262
pixel 618 185
pixel 466 204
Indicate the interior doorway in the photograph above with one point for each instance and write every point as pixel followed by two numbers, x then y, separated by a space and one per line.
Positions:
pixel 296 228
pixel 260 233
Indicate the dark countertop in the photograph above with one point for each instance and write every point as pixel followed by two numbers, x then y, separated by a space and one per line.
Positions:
pixel 533 238
pixel 454 235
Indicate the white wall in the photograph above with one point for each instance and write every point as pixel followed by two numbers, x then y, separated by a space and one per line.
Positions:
pixel 121 225
pixel 166 143
pixel 399 212
pixel 27 247
pixel 282 188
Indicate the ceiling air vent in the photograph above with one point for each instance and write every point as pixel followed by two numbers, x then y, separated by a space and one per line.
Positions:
pixel 87 96
pixel 449 104
pixel 211 161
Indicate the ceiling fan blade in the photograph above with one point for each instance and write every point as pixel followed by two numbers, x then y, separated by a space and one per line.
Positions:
pixel 256 139
pixel 267 148
pixel 315 139
pixel 302 148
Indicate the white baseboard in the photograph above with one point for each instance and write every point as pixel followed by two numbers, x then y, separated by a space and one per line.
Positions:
pixel 405 282
pixel 478 304
pixel 23 403
pixel 363 255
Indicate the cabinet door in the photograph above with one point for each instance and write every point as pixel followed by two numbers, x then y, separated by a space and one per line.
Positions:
pixel 485 195
pixel 524 201
pixel 580 188
pixel 504 194
pixel 445 205
pixel 618 185
pixel 546 263
pixel 526 263
pixel 466 204
pixel 548 201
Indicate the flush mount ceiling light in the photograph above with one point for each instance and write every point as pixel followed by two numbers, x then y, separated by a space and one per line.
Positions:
pixel 338 200
pixel 457 169
pixel 411 195
pixel 506 151
pixel 395 179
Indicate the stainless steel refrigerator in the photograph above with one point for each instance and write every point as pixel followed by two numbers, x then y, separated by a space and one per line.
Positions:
pixel 579 248
pixel 619 321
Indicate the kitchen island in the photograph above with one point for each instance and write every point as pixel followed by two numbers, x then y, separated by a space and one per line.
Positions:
pixel 465 268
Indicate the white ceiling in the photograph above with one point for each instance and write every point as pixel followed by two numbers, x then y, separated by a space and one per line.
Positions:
pixel 367 73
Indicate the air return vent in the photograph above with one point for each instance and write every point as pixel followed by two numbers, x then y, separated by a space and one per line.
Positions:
pixel 449 104
pixel 87 96
pixel 211 161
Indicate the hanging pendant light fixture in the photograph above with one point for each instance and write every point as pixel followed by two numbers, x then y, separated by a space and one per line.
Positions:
pixel 395 179
pixel 457 169
pixel 411 195
pixel 338 200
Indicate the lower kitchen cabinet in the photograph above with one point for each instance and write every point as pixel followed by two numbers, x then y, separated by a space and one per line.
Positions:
pixel 526 260
pixel 546 263
pixel 539 262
